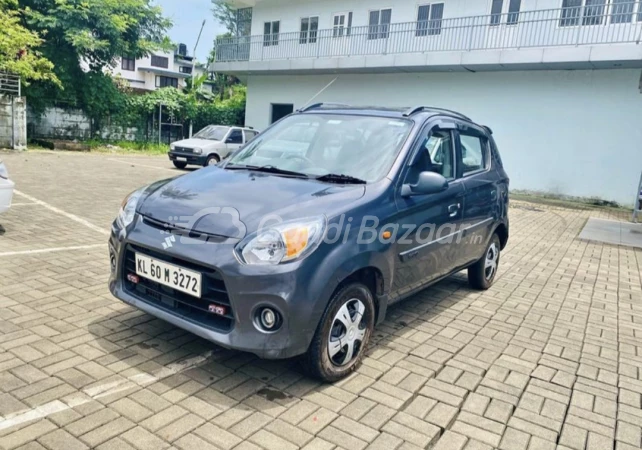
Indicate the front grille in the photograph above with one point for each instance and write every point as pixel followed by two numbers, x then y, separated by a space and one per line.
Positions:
pixel 213 291
pixel 183 149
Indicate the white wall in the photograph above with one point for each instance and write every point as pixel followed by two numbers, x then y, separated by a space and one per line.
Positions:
pixel 141 79
pixel 572 132
pixel 466 26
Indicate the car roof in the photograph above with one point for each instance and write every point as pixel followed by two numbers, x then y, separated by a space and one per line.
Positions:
pixel 420 112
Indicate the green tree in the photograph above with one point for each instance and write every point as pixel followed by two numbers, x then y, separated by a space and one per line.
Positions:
pixel 82 37
pixel 194 88
pixel 19 52
pixel 224 13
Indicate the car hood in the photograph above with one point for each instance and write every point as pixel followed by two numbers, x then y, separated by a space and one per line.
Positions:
pixel 195 143
pixel 235 203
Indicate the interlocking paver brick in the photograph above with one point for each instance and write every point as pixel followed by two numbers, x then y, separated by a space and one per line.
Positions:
pixel 551 349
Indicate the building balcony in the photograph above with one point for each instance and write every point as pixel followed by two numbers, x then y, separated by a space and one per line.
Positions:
pixel 588 37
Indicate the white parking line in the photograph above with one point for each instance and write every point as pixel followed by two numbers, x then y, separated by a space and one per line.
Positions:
pixel 101 391
pixel 143 165
pixel 23 204
pixel 51 250
pixel 64 213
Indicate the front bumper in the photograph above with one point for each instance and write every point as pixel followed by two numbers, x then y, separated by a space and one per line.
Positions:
pixel 249 288
pixel 190 158
pixel 6 194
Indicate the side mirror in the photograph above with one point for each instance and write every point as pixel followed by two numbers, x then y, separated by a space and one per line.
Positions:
pixel 427 183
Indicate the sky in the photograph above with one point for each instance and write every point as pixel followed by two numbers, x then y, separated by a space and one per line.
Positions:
pixel 188 16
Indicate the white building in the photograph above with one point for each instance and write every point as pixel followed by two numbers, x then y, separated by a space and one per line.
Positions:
pixel 557 80
pixel 161 69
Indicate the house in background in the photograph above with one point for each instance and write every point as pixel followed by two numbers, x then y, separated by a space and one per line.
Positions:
pixel 158 70
pixel 557 80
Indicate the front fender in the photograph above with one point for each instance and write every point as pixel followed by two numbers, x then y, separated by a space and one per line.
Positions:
pixel 343 260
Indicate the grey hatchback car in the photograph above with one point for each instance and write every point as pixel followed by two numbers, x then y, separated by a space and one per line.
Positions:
pixel 299 242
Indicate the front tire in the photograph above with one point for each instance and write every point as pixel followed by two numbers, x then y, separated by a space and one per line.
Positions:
pixel 343 333
pixel 180 164
pixel 211 160
pixel 481 275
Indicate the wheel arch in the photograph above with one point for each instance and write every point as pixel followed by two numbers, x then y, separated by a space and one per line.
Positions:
pixel 502 231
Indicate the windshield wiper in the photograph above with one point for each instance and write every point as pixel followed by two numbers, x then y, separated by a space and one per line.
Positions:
pixel 266 169
pixel 340 179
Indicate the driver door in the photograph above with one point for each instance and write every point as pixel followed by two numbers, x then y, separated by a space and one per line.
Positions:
pixel 432 249
pixel 234 140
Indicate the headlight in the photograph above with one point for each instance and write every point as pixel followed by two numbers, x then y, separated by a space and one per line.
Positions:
pixel 282 243
pixel 198 151
pixel 172 147
pixel 128 209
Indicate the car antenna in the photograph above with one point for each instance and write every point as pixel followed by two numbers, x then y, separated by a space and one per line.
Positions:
pixel 317 94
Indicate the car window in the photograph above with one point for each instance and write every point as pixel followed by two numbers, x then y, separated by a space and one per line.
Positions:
pixel 436 154
pixel 474 153
pixel 363 147
pixel 249 135
pixel 235 137
pixel 213 133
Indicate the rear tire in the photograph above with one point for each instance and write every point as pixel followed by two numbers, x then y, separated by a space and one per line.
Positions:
pixel 481 275
pixel 343 333
pixel 179 164
pixel 211 160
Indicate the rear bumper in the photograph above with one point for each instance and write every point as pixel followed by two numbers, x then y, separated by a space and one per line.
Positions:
pixel 190 158
pixel 6 194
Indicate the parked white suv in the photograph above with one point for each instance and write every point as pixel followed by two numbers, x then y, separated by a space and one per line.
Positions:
pixel 6 188
pixel 210 145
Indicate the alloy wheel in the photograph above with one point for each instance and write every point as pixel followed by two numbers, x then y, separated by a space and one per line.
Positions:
pixel 347 332
pixel 492 258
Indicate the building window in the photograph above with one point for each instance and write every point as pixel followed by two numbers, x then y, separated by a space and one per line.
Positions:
pixel 379 24
pixel 341 24
pixel 128 63
pixel 160 61
pixel 244 21
pixel 496 12
pixel 271 33
pixel 185 69
pixel 309 30
pixel 592 12
pixel 162 81
pixel 429 19
pixel 513 12
pixel 622 11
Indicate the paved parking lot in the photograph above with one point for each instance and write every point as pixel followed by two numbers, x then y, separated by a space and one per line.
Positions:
pixel 550 357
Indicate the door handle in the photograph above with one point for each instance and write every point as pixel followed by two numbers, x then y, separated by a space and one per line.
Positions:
pixel 454 209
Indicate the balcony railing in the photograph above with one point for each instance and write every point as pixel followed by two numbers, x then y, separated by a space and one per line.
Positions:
pixel 596 24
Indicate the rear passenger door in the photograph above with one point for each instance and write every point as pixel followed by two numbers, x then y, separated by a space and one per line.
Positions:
pixel 481 189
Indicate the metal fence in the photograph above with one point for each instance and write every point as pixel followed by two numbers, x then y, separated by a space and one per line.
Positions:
pixel 573 26
pixel 9 84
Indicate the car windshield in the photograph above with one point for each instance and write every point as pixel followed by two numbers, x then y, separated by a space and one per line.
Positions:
pixel 212 133
pixel 363 147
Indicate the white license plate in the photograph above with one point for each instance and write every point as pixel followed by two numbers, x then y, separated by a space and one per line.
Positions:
pixel 169 275
pixel 178 158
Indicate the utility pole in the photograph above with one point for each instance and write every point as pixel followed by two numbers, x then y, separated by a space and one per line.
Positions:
pixel 191 122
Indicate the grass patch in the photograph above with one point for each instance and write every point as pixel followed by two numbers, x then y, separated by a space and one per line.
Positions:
pixel 143 148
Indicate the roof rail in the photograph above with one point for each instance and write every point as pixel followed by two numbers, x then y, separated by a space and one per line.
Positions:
pixel 417 109
pixel 319 105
